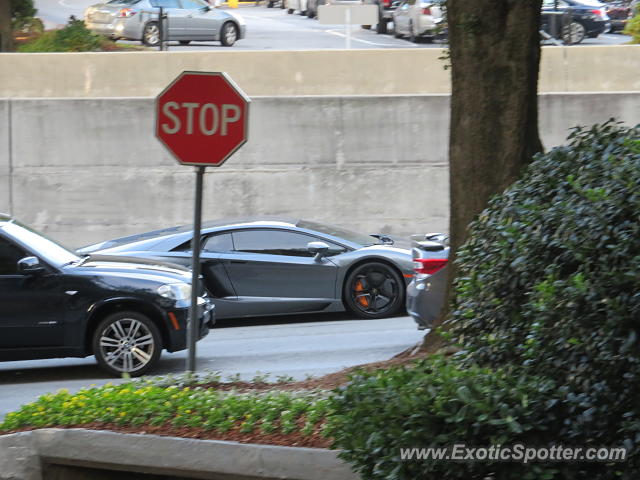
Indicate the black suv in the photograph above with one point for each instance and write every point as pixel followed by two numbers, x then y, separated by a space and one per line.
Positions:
pixel 56 304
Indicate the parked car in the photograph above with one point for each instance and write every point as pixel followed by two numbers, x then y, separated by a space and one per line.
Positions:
pixel 312 7
pixel 299 6
pixel 619 13
pixel 385 13
pixel 186 21
pixel 418 19
pixel 57 304
pixel 275 266
pixel 588 18
pixel 426 292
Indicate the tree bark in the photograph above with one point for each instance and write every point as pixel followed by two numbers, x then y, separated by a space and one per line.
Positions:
pixel 6 34
pixel 495 57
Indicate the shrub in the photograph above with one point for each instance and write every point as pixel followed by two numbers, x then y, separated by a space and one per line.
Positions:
pixel 633 28
pixel 441 403
pixel 75 37
pixel 148 403
pixel 549 282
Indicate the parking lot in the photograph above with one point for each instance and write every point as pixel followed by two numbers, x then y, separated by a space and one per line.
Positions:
pixel 275 29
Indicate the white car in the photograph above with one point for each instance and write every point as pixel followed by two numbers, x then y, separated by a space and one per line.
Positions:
pixel 418 19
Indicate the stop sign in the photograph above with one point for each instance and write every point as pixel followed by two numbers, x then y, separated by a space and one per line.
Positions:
pixel 202 118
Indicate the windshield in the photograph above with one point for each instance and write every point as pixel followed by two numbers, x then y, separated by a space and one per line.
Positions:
pixel 122 2
pixel 48 250
pixel 354 237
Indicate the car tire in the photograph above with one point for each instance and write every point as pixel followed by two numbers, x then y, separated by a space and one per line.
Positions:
pixel 228 34
pixel 151 34
pixel 396 34
pixel 127 342
pixel 185 42
pixel 290 11
pixel 310 13
pixel 573 33
pixel 382 26
pixel 269 4
pixel 366 27
pixel 374 290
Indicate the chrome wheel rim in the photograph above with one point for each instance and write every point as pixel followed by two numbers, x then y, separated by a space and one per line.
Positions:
pixel 152 34
pixel 574 33
pixel 230 34
pixel 374 291
pixel 127 345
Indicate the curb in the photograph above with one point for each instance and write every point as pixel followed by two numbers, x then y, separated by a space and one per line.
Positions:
pixel 78 454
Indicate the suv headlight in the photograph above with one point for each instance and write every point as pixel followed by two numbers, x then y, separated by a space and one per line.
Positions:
pixel 175 291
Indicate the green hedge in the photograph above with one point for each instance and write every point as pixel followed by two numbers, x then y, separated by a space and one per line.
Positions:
pixel 441 403
pixel 548 317
pixel 75 37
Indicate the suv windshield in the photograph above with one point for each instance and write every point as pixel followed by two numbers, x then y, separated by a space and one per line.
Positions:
pixel 40 245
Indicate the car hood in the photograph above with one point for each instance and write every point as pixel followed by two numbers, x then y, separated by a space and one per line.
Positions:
pixel 131 268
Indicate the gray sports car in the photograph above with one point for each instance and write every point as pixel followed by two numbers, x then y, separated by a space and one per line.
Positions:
pixel 256 266
pixel 184 21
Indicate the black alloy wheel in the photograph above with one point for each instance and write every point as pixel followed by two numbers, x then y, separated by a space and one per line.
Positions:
pixel 127 342
pixel 374 290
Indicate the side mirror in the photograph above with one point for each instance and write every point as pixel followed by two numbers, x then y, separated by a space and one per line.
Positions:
pixel 319 249
pixel 30 266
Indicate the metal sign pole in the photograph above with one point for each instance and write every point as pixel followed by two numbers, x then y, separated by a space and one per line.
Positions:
pixel 192 325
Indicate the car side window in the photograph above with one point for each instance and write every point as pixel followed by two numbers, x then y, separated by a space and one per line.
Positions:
pixel 279 242
pixel 9 256
pixel 192 4
pixel 218 243
pixel 165 3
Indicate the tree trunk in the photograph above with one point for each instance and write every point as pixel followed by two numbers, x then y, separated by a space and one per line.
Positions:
pixel 495 57
pixel 6 34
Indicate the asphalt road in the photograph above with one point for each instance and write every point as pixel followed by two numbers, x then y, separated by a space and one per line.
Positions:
pixel 274 29
pixel 293 346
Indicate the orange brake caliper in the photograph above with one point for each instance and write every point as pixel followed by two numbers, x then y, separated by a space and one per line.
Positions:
pixel 362 300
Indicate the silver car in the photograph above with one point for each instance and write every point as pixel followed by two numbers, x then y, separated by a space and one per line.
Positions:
pixel 426 292
pixel 276 266
pixel 184 21
pixel 418 19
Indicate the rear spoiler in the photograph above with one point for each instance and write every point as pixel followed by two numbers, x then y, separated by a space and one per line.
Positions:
pixel 430 242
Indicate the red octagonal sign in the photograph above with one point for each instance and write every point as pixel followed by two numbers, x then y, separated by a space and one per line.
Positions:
pixel 202 118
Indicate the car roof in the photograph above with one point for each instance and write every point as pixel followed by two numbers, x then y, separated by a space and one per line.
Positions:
pixel 239 222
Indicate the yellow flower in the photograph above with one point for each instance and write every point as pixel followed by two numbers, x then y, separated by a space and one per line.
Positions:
pixel 122 414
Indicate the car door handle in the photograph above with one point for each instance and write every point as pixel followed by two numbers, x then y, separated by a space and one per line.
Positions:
pixel 238 261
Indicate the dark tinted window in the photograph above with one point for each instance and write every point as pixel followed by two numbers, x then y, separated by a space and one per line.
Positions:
pixel 272 242
pixel 218 243
pixel 278 242
pixel 123 2
pixel 9 256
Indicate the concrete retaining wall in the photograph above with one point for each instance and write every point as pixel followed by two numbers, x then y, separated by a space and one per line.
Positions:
pixel 86 170
pixel 329 72
pixel 52 454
